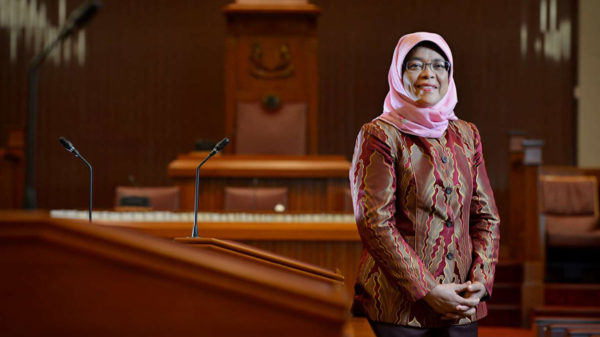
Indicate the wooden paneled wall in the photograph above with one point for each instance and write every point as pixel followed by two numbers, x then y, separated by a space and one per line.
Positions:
pixel 153 82
pixel 151 85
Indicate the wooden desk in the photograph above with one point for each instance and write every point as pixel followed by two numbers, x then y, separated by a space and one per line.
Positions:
pixel 64 277
pixel 315 183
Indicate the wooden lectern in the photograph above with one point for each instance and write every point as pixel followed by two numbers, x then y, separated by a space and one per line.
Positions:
pixel 262 258
pixel 70 278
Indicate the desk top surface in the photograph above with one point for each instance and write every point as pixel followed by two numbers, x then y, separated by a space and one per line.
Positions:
pixel 260 166
pixel 230 226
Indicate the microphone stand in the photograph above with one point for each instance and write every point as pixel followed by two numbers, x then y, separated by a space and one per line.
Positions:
pixel 91 180
pixel 195 229
pixel 33 75
pixel 220 145
pixel 77 19
pixel 69 147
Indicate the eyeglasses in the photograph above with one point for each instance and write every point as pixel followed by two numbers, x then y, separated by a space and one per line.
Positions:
pixel 436 66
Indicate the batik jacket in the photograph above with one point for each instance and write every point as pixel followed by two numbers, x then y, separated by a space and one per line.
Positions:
pixel 426 215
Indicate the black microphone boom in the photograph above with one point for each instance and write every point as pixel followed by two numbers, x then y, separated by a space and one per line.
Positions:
pixel 69 147
pixel 78 18
pixel 220 145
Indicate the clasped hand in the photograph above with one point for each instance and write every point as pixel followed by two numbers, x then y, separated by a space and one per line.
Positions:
pixel 454 301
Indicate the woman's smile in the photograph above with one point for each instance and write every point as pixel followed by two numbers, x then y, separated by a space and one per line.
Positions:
pixel 425 83
pixel 427 87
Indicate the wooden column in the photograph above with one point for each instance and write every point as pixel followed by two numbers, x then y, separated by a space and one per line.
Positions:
pixel 526 225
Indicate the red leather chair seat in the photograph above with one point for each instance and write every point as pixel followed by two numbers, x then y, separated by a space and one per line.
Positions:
pixel 161 198
pixel 570 204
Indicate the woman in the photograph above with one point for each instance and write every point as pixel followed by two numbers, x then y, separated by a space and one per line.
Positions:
pixel 423 203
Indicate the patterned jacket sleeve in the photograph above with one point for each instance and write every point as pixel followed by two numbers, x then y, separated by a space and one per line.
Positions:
pixel 373 184
pixel 484 222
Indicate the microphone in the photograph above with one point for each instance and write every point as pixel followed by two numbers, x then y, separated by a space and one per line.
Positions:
pixel 220 145
pixel 76 20
pixel 69 147
pixel 79 17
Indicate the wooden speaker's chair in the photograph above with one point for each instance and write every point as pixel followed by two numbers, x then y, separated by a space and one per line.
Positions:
pixel 276 68
pixel 158 198
pixel 570 206
pixel 255 198
pixel 261 131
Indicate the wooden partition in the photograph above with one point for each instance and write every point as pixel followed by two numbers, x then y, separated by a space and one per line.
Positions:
pixel 68 277
pixel 314 183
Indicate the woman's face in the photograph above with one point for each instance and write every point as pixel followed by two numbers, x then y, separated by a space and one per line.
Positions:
pixel 427 86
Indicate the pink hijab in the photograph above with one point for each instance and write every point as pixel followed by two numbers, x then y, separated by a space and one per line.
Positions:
pixel 400 110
